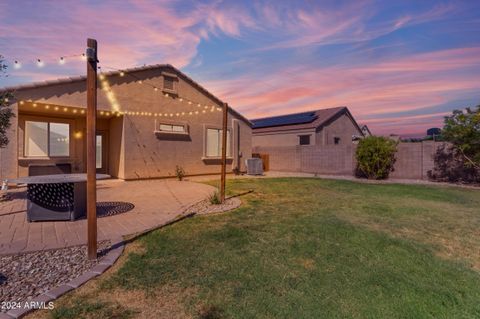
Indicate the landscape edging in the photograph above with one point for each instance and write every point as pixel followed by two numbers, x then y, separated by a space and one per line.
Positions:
pixel 116 250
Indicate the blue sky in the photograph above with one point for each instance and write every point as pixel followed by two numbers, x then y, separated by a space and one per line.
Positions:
pixel 400 66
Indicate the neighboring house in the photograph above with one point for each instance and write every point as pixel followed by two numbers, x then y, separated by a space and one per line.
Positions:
pixel 150 119
pixel 366 131
pixel 322 127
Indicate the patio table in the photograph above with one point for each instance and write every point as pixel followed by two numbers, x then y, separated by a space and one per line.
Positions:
pixel 56 197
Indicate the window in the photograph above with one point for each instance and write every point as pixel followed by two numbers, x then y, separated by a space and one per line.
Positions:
pixel 214 143
pixel 46 139
pixel 304 139
pixel 98 153
pixel 172 128
pixel 336 140
pixel 168 83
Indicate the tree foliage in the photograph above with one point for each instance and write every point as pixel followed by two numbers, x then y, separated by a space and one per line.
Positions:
pixel 462 129
pixel 375 157
pixel 450 167
pixel 6 112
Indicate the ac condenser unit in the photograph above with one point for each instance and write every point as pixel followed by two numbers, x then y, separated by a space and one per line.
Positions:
pixel 254 166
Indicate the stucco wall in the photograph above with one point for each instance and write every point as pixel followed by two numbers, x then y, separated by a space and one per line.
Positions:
pixel 8 155
pixel 341 127
pixel 281 138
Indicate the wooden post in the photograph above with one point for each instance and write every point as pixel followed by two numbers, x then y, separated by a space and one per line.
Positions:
pixel 224 152
pixel 91 147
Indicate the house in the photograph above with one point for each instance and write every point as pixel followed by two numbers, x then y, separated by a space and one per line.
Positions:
pixel 366 131
pixel 150 119
pixel 333 126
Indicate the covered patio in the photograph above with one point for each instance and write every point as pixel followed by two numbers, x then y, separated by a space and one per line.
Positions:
pixel 144 205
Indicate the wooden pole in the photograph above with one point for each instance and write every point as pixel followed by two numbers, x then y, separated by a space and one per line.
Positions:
pixel 224 152
pixel 91 147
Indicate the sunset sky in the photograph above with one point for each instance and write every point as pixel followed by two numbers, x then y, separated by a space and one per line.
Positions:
pixel 399 66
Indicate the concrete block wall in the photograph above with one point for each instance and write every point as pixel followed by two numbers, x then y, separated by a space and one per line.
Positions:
pixel 413 160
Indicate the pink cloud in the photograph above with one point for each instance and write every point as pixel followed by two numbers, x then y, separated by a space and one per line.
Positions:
pixel 372 90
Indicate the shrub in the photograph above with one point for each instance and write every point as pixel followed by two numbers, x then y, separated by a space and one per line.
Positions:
pixel 462 129
pixel 375 157
pixel 236 171
pixel 179 172
pixel 450 167
pixel 214 198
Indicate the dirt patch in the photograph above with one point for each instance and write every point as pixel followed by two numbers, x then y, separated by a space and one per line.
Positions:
pixel 308 263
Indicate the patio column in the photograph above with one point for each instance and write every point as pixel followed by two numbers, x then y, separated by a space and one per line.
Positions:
pixel 91 148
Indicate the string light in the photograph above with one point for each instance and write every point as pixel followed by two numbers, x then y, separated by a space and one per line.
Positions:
pixel 114 103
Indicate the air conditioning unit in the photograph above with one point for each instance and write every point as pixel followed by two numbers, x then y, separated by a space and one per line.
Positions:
pixel 254 166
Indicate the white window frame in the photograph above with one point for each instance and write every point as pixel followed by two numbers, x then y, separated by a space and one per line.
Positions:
pixel 172 124
pixel 229 143
pixel 48 140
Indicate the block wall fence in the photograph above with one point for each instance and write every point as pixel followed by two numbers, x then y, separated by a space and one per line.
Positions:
pixel 413 160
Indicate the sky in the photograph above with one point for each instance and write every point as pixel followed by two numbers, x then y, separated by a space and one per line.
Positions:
pixel 399 66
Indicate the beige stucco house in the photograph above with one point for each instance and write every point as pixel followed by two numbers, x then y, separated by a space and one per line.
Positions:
pixel 333 126
pixel 150 119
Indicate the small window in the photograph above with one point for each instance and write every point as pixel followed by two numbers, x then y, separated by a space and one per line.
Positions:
pixel 44 139
pixel 169 83
pixel 336 140
pixel 172 128
pixel 304 139
pixel 214 143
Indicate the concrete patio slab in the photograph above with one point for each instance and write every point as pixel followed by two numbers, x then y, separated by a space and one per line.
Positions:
pixel 156 203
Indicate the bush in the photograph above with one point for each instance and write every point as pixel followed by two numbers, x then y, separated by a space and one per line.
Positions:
pixel 375 157
pixel 179 172
pixel 450 167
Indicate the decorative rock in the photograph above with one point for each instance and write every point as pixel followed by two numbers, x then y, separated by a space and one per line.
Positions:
pixel 25 277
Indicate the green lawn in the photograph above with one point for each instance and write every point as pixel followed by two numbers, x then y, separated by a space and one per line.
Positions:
pixel 304 248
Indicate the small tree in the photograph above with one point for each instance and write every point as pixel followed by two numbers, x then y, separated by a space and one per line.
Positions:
pixel 462 129
pixel 6 112
pixel 375 157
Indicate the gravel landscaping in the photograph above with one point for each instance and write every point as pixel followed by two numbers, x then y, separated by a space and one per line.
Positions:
pixel 205 207
pixel 24 276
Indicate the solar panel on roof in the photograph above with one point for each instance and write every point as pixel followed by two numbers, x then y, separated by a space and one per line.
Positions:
pixel 291 119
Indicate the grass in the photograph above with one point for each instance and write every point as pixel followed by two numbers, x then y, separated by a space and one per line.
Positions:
pixel 306 248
